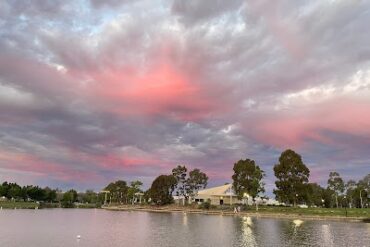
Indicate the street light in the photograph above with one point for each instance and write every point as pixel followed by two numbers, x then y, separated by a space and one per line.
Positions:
pixel 345 204
pixel 296 199
pixel 322 200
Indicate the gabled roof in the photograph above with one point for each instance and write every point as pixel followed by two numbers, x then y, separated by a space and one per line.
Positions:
pixel 223 190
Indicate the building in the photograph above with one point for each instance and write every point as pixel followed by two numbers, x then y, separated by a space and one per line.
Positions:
pixel 180 200
pixel 220 195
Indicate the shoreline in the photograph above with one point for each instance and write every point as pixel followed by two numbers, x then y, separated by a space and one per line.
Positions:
pixel 231 213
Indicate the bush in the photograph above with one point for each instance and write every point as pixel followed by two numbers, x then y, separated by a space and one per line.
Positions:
pixel 67 204
pixel 49 205
pixel 205 205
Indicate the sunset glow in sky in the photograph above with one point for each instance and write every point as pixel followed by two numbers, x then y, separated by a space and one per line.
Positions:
pixel 95 91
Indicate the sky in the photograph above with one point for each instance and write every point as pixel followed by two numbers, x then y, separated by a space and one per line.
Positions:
pixel 94 91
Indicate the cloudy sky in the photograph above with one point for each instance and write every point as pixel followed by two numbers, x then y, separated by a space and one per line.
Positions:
pixel 93 91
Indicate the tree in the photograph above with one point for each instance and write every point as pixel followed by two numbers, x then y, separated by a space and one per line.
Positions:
pixel 316 195
pixel 133 189
pixel 328 198
pixel 188 186
pixel 69 198
pixel 14 191
pixel 336 184
pixel 118 191
pixel 4 189
pixel 197 180
pixel 364 189
pixel 162 188
pixel 247 178
pixel 49 194
pixel 89 197
pixel 292 178
pixel 180 174
pixel 35 193
pixel 350 191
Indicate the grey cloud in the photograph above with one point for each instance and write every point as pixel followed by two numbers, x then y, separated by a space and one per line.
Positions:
pixel 194 10
pixel 33 8
pixel 232 49
pixel 110 3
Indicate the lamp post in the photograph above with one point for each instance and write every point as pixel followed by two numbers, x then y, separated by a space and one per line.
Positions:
pixel 322 200
pixel 231 197
pixel 345 204
pixel 296 200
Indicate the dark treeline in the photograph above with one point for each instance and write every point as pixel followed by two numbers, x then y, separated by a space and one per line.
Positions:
pixel 292 188
pixel 46 196
pixel 180 182
pixel 292 184
pixel 27 193
pixel 117 192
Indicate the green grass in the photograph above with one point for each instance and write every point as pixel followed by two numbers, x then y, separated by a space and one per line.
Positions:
pixel 33 205
pixel 89 205
pixel 351 212
pixel 18 205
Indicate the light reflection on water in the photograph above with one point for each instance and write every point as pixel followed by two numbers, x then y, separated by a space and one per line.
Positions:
pixel 59 227
pixel 249 238
pixel 327 236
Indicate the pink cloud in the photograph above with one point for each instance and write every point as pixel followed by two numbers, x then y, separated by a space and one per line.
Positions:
pixel 163 89
pixel 31 163
pixel 287 129
pixel 113 161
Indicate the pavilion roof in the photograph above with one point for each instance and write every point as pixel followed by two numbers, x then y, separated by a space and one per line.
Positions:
pixel 223 190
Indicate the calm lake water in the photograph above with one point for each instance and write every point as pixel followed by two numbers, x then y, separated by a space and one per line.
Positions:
pixel 60 227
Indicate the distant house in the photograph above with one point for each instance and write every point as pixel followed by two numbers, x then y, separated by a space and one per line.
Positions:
pixel 220 195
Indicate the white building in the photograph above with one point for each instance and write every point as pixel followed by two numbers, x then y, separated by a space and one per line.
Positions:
pixel 223 195
pixel 219 195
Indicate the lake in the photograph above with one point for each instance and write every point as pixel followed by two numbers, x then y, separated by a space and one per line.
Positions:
pixel 60 227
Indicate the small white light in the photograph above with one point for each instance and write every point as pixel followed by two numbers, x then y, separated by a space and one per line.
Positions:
pixel 297 222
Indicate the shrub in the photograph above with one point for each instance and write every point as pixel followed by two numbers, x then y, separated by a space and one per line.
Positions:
pixel 206 205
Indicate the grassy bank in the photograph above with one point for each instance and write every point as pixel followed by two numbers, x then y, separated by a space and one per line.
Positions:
pixel 351 212
pixel 33 205
pixel 18 205
pixel 283 212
